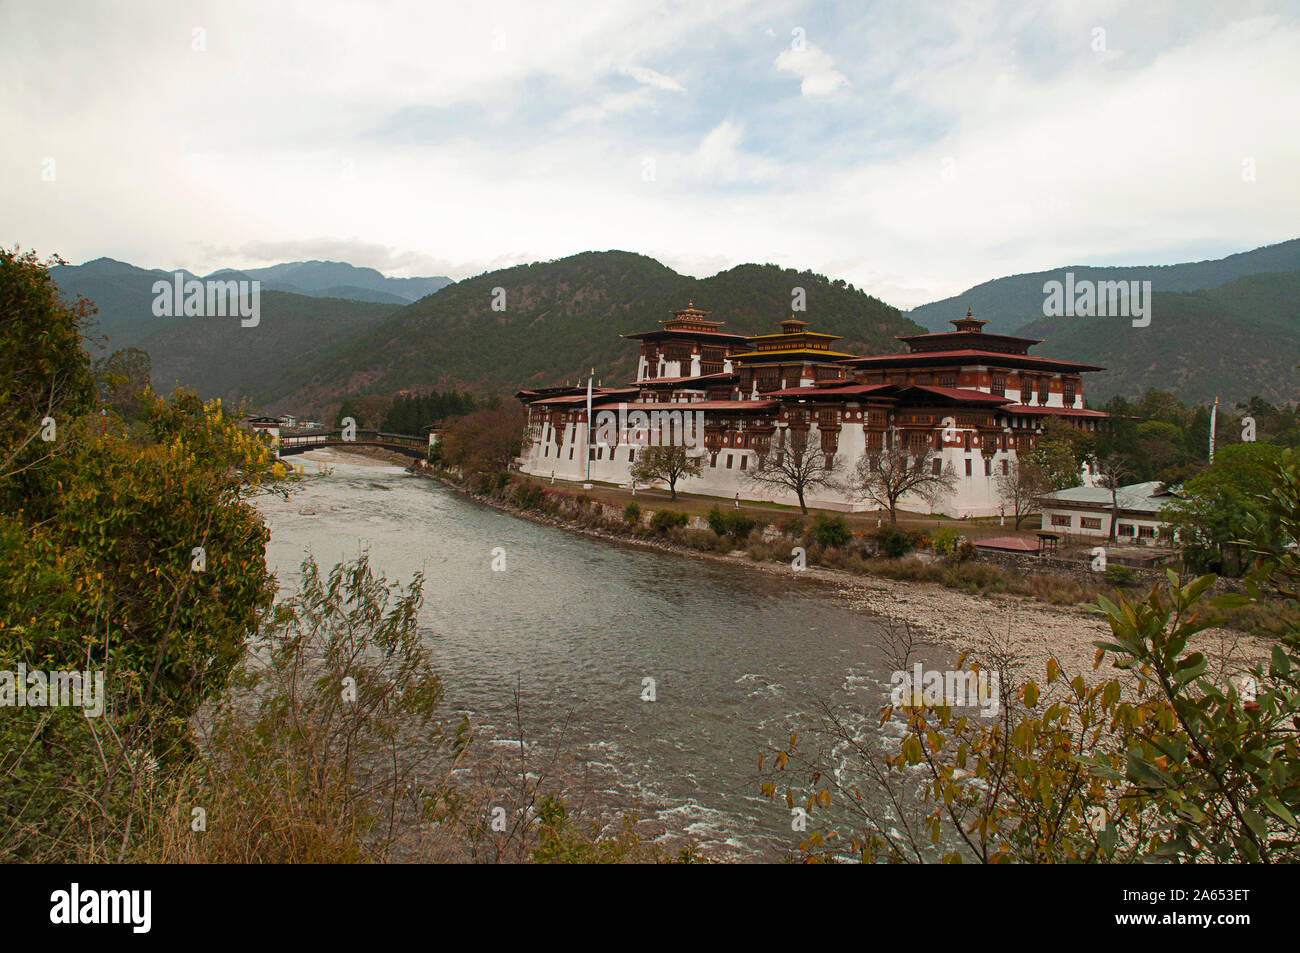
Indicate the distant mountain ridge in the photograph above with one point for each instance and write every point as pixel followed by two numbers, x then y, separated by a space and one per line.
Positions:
pixel 1235 341
pixel 217 357
pixel 336 279
pixel 118 288
pixel 1009 303
pixel 562 318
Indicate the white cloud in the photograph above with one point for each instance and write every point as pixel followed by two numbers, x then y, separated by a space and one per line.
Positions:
pixel 815 66
pixel 611 104
pixel 717 152
pixel 658 80
pixel 406 143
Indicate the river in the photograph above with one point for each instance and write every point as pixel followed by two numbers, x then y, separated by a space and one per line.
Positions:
pixel 739 658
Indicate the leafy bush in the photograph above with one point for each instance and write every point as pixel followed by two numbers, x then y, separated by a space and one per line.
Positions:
pixel 701 539
pixel 664 520
pixel 740 526
pixel 1167 761
pixel 530 498
pixel 717 522
pixel 1120 576
pixel 793 527
pixel 732 523
pixel 830 530
pixel 944 541
pixel 632 514
pixel 896 544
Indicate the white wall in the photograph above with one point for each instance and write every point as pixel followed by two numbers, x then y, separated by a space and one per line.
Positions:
pixel 975 496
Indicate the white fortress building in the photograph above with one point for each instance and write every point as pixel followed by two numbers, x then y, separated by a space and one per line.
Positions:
pixel 974 400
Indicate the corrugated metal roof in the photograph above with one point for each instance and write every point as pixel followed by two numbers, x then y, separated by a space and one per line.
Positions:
pixel 1146 497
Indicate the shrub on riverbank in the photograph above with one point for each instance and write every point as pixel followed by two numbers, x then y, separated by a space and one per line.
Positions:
pixel 944 541
pixel 664 520
pixel 732 523
pixel 830 530
pixel 702 539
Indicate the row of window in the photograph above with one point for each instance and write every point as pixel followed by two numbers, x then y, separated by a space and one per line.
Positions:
pixel 936 466
pixel 1094 522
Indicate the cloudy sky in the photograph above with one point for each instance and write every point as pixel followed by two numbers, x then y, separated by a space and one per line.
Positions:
pixel 911 148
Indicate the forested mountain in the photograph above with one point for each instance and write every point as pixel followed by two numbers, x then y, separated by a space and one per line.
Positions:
pixel 1235 341
pixel 219 358
pixel 124 295
pixel 563 318
pixel 1011 302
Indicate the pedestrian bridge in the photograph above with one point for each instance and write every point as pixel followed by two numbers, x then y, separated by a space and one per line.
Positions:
pixel 289 444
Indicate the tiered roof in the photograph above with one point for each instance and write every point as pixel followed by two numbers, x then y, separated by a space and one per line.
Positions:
pixel 690 322
pixel 968 343
pixel 794 343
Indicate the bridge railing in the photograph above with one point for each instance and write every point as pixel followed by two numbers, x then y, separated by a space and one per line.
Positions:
pixel 319 438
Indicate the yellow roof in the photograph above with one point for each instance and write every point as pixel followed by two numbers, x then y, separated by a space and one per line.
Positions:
pixel 796 334
pixel 794 350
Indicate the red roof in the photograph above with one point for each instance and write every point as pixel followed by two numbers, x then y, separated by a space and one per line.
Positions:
pixel 985 357
pixel 957 393
pixel 960 336
pixel 720 376
pixel 598 393
pixel 743 406
pixel 1011 543
pixel 1055 411
pixel 843 390
pixel 686 332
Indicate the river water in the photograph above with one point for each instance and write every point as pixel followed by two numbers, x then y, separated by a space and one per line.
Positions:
pixel 739 658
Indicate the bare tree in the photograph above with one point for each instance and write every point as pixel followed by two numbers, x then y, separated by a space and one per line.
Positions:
pixel 1021 486
pixel 484 441
pixel 668 463
pixel 796 466
pixel 885 476
pixel 1113 470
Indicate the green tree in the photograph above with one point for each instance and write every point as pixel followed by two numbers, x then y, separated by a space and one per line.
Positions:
pixel 1117 456
pixel 44 374
pixel 1059 452
pixel 1210 514
pixel 134 555
pixel 1163 445
pixel 124 376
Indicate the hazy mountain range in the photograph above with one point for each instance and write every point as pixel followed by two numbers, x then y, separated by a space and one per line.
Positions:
pixel 1010 303
pixel 1227 328
pixel 124 296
